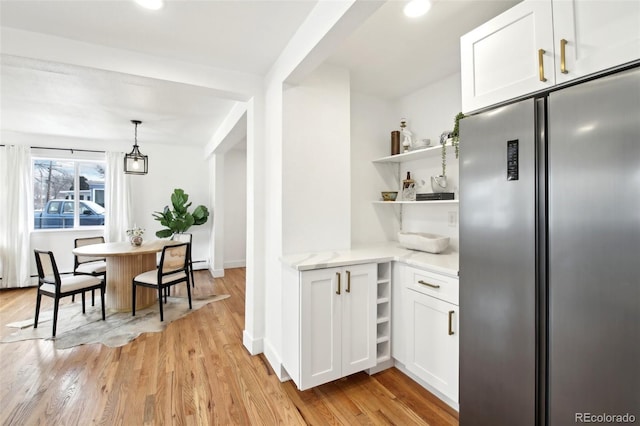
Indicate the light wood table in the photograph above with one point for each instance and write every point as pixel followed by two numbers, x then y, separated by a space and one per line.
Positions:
pixel 124 262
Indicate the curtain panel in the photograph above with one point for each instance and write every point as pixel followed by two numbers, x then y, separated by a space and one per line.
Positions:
pixel 16 194
pixel 117 198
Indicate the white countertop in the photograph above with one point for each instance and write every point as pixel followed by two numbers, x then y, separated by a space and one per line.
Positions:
pixel 444 263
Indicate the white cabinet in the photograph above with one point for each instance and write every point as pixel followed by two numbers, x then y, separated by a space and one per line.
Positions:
pixel 537 44
pixel 383 314
pixel 500 59
pixel 330 324
pixel 597 34
pixel 431 317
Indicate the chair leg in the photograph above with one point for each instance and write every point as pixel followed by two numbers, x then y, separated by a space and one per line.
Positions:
pixel 102 300
pixel 73 298
pixel 193 282
pixel 83 309
pixel 160 302
pixel 189 293
pixel 56 303
pixel 93 302
pixel 35 322
pixel 133 300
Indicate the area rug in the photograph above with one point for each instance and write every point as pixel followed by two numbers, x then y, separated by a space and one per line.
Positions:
pixel 118 329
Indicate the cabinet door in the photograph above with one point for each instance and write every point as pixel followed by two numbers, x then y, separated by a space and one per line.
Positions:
pixel 500 59
pixel 321 324
pixel 599 34
pixel 358 321
pixel 432 344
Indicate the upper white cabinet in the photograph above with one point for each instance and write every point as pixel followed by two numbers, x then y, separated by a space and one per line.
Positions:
pixel 597 35
pixel 331 324
pixel 537 44
pixel 505 57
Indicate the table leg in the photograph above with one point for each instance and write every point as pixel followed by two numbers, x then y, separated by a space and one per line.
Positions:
pixel 120 272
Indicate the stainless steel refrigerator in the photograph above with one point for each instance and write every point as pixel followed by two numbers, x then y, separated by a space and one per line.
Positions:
pixel 550 257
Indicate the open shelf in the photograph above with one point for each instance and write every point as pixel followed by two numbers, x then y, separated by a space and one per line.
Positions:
pixel 418 154
pixel 418 202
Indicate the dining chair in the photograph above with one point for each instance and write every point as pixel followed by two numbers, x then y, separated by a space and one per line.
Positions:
pixel 85 265
pixel 173 269
pixel 185 237
pixel 51 284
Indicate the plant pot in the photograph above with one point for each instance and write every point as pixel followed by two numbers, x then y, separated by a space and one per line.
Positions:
pixel 136 240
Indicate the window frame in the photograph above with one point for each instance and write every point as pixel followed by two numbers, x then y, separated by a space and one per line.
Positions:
pixel 77 158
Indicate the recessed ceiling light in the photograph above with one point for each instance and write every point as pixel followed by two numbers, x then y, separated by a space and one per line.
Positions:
pixel 151 4
pixel 416 8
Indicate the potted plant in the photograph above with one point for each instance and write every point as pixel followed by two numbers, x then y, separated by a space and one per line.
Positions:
pixel 439 183
pixel 179 219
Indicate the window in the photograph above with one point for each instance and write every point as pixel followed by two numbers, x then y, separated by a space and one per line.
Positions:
pixel 68 193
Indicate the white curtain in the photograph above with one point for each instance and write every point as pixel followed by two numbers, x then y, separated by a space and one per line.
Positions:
pixel 118 198
pixel 16 194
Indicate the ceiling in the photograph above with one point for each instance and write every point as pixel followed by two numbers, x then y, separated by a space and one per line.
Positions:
pixel 389 56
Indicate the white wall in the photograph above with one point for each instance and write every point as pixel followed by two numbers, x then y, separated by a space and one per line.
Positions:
pixel 429 112
pixel 372 120
pixel 316 178
pixel 235 208
pixel 170 167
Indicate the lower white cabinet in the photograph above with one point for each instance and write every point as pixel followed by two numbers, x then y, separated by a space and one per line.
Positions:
pixel 431 320
pixel 330 324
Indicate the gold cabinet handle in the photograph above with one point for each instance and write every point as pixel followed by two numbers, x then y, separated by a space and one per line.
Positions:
pixel 338 276
pixel 450 322
pixel 429 284
pixel 348 281
pixel 563 65
pixel 541 64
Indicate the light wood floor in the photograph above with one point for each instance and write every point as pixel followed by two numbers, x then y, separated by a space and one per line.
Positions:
pixel 194 373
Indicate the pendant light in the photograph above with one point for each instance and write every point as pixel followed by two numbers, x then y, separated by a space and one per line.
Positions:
pixel 134 162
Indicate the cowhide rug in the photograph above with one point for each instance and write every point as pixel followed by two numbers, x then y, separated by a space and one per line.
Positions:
pixel 118 329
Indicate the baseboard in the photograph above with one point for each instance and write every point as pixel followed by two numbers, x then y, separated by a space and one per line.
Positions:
pixel 235 264
pixel 275 362
pixel 216 273
pixel 428 387
pixel 381 366
pixel 254 346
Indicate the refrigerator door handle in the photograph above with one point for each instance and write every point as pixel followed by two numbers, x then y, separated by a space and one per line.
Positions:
pixel 451 322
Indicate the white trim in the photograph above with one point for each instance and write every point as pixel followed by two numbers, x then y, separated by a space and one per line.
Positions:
pixel 216 273
pixel 275 361
pixel 427 386
pixel 235 264
pixel 254 346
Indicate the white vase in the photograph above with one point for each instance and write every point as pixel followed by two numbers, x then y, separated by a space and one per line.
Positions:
pixel 439 183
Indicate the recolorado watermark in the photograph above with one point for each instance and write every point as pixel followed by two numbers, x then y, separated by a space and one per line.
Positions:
pixel 604 418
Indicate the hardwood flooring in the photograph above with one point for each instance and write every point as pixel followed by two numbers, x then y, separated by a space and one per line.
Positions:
pixel 196 372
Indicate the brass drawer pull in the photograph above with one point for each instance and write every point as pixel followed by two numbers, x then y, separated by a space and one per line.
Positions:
pixel 429 284
pixel 338 276
pixel 450 321
pixel 348 281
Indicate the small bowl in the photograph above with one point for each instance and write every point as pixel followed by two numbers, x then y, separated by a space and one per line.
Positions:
pixel 389 195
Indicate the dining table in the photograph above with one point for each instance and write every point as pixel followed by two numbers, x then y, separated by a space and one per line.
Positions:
pixel 124 262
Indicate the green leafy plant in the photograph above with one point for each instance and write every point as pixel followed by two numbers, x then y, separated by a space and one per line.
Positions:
pixel 455 135
pixel 455 141
pixel 179 219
